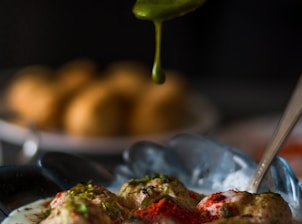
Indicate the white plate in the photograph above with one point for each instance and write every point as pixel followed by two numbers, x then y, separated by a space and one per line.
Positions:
pixel 205 116
pixel 28 214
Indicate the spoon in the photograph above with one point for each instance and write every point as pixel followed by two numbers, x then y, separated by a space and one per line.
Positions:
pixel 164 9
pixel 287 122
pixel 30 146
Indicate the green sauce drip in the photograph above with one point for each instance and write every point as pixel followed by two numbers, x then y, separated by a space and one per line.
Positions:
pixel 158 74
pixel 158 11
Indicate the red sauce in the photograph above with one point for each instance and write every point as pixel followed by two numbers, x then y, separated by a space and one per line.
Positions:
pixel 217 206
pixel 58 196
pixel 193 195
pixel 166 208
pixel 216 198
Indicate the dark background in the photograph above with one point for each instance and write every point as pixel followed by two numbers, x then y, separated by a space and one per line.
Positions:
pixel 244 55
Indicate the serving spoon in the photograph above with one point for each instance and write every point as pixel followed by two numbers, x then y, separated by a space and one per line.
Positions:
pixel 164 9
pixel 287 122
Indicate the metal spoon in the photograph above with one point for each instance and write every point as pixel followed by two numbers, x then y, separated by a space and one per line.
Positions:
pixel 30 146
pixel 287 122
pixel 163 9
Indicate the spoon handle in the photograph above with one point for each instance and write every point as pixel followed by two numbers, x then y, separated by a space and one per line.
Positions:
pixel 287 122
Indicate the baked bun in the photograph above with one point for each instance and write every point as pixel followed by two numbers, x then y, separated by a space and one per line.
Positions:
pixel 129 78
pixel 161 108
pixel 33 97
pixel 76 74
pixel 96 111
pixel 79 99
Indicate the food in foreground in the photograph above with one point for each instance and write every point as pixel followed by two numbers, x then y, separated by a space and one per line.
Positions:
pixel 85 203
pixel 163 199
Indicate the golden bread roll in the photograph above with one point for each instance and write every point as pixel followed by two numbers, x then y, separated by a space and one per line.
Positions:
pixel 74 75
pixel 162 107
pixel 96 111
pixel 33 96
pixel 75 100
pixel 129 78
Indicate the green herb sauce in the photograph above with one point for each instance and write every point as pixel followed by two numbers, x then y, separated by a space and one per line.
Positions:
pixel 163 179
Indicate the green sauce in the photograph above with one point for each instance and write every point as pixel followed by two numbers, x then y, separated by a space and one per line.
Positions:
pixel 158 11
pixel 158 75
pixel 163 179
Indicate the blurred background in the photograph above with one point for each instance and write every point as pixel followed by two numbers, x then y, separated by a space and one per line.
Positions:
pixel 245 55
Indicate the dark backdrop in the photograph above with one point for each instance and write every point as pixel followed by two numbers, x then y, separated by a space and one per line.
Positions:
pixel 248 45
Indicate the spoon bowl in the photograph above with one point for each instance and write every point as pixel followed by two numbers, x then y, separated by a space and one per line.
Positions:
pixel 164 9
pixel 73 169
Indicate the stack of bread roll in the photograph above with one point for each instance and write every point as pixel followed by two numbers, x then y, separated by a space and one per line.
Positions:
pixel 79 99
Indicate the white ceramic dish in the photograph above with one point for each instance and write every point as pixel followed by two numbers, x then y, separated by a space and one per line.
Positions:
pixel 28 214
pixel 192 159
pixel 204 117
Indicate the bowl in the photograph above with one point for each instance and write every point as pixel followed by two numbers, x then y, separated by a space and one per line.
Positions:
pixel 201 163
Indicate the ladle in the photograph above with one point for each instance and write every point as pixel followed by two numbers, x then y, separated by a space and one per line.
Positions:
pixel 164 9
pixel 287 122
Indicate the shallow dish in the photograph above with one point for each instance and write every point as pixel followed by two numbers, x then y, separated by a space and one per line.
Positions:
pixel 203 164
pixel 204 117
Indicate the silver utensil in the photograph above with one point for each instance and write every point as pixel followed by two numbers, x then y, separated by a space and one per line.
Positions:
pixel 30 146
pixel 31 142
pixel 287 122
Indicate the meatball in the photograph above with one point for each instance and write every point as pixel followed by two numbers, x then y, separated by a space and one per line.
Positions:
pixel 85 203
pixel 142 192
pixel 225 207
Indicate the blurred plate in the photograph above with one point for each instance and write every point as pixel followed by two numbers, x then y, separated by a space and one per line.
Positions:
pixel 204 118
pixel 248 134
pixel 251 136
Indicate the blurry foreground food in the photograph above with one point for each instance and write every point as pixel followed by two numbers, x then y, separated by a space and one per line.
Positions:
pixel 80 99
